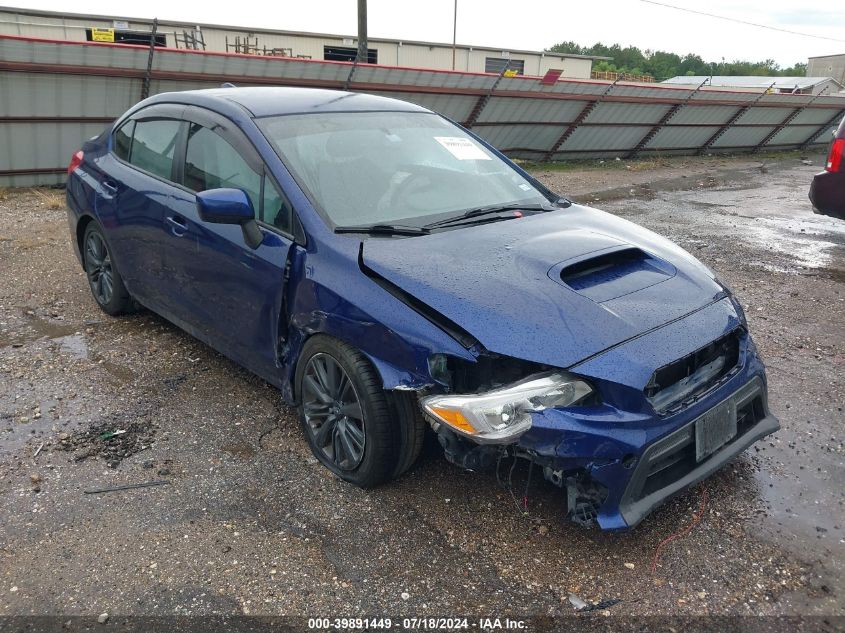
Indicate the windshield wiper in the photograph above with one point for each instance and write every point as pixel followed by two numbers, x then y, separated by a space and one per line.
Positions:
pixel 383 229
pixel 498 208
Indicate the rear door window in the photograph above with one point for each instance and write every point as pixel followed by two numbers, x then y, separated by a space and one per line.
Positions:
pixel 212 163
pixel 154 145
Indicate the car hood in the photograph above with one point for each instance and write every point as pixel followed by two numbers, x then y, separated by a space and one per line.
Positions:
pixel 553 288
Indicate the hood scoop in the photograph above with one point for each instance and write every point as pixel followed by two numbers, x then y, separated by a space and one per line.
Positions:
pixel 612 272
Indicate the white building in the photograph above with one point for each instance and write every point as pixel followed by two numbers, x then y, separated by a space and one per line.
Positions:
pixel 829 66
pixel 263 41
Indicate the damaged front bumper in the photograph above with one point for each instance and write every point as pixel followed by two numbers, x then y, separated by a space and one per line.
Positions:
pixel 616 478
pixel 617 472
pixel 617 465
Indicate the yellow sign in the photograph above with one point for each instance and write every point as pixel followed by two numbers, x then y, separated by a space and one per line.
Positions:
pixel 102 35
pixel 511 73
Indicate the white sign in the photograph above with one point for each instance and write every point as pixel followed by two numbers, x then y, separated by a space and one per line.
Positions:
pixel 462 148
pixel 120 24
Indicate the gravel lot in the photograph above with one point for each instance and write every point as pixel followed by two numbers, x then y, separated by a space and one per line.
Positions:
pixel 249 523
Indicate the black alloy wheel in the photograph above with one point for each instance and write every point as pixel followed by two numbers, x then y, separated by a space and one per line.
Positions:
pixel 98 267
pixel 103 277
pixel 333 414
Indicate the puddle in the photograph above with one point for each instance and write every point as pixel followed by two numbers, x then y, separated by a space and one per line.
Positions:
pixel 69 339
pixel 804 251
pixel 804 511
pixel 36 328
pixel 15 434
pixel 74 345
pixel 39 423
pixel 803 501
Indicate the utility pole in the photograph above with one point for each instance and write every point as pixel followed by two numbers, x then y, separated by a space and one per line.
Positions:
pixel 454 33
pixel 362 57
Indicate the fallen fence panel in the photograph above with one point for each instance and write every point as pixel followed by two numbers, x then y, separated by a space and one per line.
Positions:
pixel 55 94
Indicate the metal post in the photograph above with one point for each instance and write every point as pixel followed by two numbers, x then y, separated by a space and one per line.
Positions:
pixel 830 124
pixel 736 116
pixel 662 122
pixel 348 81
pixel 482 101
pixel 363 53
pixel 783 124
pixel 454 33
pixel 585 112
pixel 145 86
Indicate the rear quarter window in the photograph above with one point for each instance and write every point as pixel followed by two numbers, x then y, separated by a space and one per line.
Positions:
pixel 122 141
pixel 154 145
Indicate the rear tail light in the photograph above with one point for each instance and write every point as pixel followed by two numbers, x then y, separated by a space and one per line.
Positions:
pixel 75 162
pixel 834 161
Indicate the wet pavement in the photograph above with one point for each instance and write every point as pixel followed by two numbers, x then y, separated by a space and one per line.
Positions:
pixel 248 522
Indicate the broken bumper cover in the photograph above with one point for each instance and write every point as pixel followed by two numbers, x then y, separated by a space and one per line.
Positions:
pixel 640 498
pixel 642 461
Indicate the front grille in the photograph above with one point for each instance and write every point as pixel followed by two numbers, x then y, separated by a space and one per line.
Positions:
pixel 682 382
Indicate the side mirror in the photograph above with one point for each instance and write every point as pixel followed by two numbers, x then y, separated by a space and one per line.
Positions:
pixel 224 206
pixel 230 206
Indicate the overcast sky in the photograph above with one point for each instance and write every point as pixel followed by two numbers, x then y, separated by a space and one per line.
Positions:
pixel 532 24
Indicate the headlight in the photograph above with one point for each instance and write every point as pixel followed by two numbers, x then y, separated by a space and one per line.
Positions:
pixel 502 415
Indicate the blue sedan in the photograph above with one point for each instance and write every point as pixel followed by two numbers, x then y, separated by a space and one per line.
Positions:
pixel 389 272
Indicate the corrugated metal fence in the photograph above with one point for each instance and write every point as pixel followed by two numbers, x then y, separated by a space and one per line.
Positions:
pixel 55 94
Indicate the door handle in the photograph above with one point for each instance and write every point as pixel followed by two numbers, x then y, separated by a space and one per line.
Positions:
pixel 110 186
pixel 178 226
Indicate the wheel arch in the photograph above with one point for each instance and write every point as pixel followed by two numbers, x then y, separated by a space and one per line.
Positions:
pixel 81 226
pixel 392 376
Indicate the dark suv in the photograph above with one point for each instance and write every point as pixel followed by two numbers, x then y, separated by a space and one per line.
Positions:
pixel 827 193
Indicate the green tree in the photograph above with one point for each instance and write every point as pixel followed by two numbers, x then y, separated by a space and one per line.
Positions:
pixel 567 47
pixel 663 65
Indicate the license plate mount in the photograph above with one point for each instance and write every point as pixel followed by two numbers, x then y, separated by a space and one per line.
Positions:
pixel 714 429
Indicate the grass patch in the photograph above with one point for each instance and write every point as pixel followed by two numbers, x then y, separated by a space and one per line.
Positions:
pixel 603 164
pixel 657 162
pixel 50 199
pixel 28 243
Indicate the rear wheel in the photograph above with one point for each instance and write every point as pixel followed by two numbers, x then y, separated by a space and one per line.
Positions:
pixel 103 278
pixel 351 425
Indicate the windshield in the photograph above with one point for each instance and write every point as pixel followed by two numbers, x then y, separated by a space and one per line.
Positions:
pixel 364 168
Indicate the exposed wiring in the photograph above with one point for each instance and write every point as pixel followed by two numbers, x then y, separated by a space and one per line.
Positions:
pixel 738 21
pixel 527 483
pixel 695 521
pixel 510 487
pixel 523 508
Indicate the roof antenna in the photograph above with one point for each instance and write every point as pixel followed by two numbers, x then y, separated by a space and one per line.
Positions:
pixel 228 85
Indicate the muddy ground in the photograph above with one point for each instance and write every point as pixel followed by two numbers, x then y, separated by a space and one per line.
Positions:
pixel 248 522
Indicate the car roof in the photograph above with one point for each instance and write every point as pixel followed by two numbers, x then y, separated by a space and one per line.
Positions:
pixel 270 101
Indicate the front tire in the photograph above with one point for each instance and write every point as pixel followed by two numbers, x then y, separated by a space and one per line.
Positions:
pixel 344 412
pixel 103 278
pixel 358 431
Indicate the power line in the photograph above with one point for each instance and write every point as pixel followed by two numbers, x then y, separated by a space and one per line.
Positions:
pixel 761 26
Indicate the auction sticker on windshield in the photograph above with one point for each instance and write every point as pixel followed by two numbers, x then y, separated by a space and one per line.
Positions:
pixel 462 148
